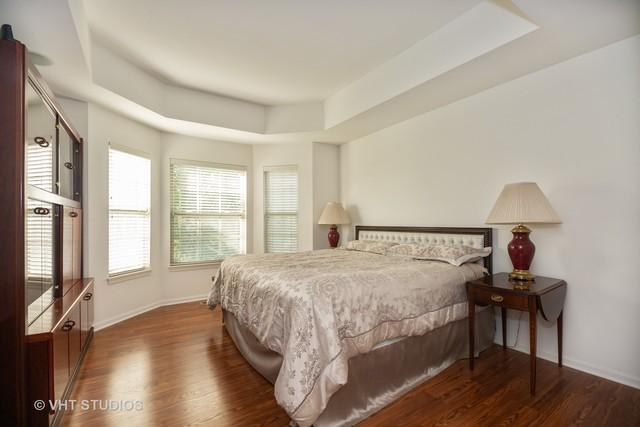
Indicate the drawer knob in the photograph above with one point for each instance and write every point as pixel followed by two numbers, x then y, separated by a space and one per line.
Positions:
pixel 41 141
pixel 87 296
pixel 41 211
pixel 497 298
pixel 68 325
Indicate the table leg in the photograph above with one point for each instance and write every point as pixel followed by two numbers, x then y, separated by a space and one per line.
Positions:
pixel 560 340
pixel 504 327
pixel 533 311
pixel 472 320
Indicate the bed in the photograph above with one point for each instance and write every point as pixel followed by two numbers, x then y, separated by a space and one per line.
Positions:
pixel 342 333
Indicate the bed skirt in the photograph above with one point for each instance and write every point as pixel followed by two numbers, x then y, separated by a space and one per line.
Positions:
pixel 384 374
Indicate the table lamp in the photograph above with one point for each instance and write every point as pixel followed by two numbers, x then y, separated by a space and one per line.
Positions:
pixel 334 215
pixel 521 203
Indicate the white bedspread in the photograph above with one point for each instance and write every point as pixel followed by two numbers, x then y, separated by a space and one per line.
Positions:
pixel 319 308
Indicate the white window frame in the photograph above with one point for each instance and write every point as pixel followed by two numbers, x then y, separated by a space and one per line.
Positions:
pixel 138 272
pixel 176 266
pixel 282 168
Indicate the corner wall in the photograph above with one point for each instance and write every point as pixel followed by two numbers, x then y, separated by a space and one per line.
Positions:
pixel 300 155
pixel 318 183
pixel 326 187
pixel 575 129
pixel 180 283
pixel 119 300
pixel 124 299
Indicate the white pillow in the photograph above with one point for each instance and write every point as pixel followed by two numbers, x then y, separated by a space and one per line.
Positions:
pixel 455 255
pixel 369 246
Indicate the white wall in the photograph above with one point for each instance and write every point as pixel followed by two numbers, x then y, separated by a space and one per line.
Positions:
pixel 326 187
pixel 318 182
pixel 575 129
pixel 300 155
pixel 115 301
pixel 122 299
pixel 181 283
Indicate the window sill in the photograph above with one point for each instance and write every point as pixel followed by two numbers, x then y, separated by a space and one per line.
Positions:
pixel 195 266
pixel 128 276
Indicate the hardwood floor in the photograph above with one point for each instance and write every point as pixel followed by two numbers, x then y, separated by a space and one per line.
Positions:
pixel 184 368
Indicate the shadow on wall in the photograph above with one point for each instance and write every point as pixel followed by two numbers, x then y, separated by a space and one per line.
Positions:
pixel 348 232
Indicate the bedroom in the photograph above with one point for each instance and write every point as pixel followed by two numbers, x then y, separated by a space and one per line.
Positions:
pixel 145 144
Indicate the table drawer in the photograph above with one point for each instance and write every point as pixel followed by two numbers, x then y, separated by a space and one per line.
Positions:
pixel 486 297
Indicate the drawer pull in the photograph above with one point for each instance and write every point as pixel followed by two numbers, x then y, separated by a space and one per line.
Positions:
pixel 87 296
pixel 68 165
pixel 41 141
pixel 41 211
pixel 68 325
pixel 73 214
pixel 497 298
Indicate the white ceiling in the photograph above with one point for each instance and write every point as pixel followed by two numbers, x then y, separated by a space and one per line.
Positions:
pixel 270 52
pixel 245 70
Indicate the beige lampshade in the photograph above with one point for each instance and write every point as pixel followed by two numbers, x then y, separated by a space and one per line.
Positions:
pixel 334 213
pixel 522 203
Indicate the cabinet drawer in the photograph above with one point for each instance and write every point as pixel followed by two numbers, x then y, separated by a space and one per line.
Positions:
pixel 60 361
pixel 86 315
pixel 486 297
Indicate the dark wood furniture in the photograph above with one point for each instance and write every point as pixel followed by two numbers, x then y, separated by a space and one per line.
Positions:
pixel 12 269
pixel 56 343
pixel 46 322
pixel 545 295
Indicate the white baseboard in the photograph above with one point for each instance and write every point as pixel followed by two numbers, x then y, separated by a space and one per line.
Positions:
pixel 135 312
pixel 581 365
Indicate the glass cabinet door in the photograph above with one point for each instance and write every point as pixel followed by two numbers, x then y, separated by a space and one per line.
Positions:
pixel 39 257
pixel 66 166
pixel 40 141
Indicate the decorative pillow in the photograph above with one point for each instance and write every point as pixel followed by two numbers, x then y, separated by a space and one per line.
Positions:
pixel 456 255
pixel 369 246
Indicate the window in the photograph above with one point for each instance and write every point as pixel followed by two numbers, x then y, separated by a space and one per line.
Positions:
pixel 129 212
pixel 281 209
pixel 208 212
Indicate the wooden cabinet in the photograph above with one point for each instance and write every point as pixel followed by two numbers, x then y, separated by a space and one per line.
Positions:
pixel 86 315
pixel 56 344
pixel 60 361
pixel 70 246
pixel 67 348
pixel 73 325
pixel 66 148
pixel 40 139
pixel 76 214
pixel 41 240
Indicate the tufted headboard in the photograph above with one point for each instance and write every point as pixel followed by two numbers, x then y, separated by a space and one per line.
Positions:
pixel 476 237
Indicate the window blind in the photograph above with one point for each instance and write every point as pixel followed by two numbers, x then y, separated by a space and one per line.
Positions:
pixel 281 209
pixel 39 241
pixel 129 212
pixel 40 165
pixel 208 212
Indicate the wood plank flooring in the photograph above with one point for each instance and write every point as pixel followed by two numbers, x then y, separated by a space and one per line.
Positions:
pixel 184 368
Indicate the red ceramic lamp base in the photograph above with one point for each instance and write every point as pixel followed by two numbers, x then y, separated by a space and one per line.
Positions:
pixel 521 251
pixel 334 236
